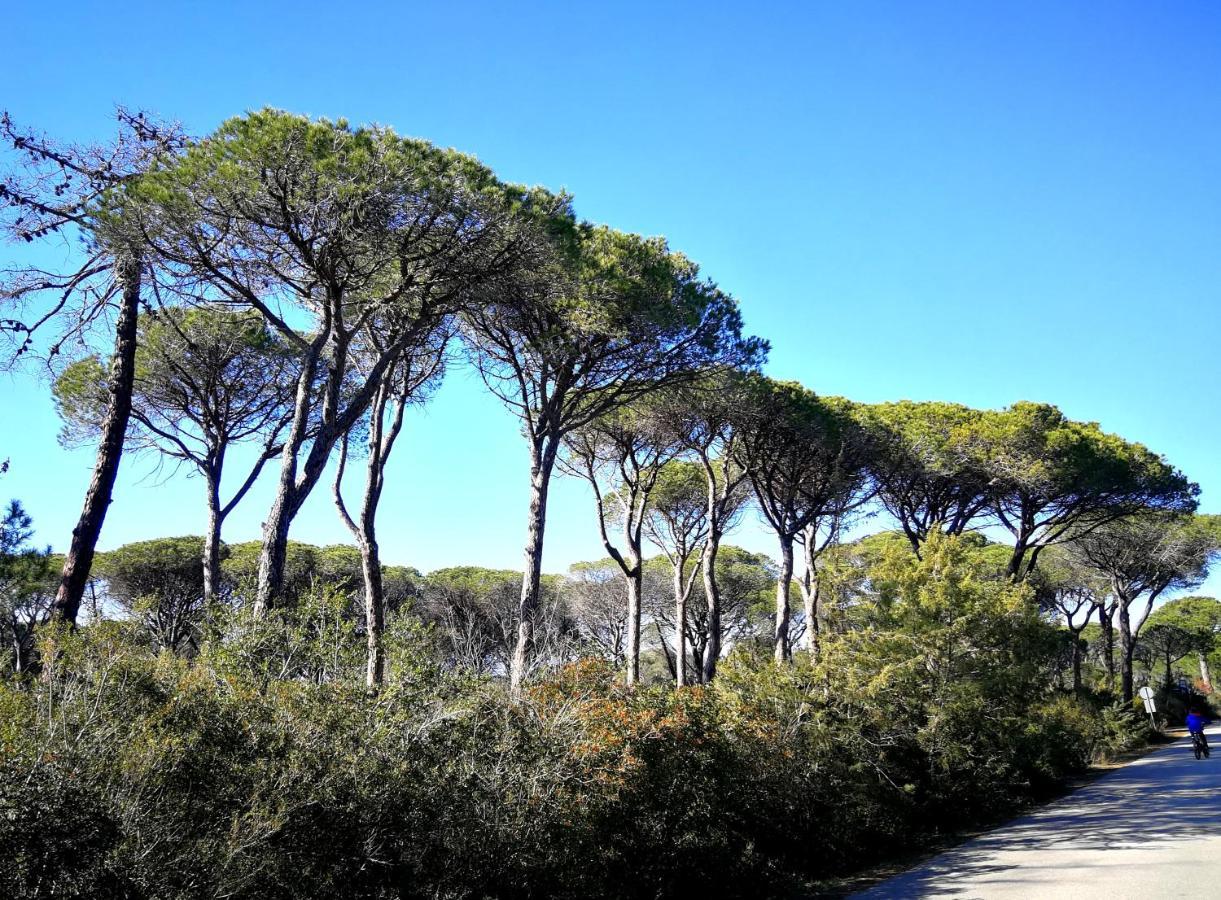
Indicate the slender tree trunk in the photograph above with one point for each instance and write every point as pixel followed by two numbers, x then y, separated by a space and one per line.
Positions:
pixel 211 548
pixel 680 624
pixel 1169 673
pixel 634 586
pixel 380 443
pixel 1106 621
pixel 665 649
pixel 809 595
pixel 1076 663
pixel 536 523
pixel 1127 651
pixel 712 592
pixel 1205 675
pixel 78 561
pixel 780 637
pixel 375 613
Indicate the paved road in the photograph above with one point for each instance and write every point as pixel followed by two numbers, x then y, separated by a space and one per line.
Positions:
pixel 1149 830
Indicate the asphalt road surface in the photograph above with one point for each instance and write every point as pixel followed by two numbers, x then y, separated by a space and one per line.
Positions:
pixel 1147 831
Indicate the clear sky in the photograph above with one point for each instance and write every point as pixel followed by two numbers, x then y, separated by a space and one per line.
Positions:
pixel 977 202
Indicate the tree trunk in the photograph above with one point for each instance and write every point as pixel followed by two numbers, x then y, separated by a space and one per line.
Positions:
pixel 274 552
pixel 1127 651
pixel 375 612
pixel 1076 664
pixel 1015 560
pixel 211 548
pixel 780 637
pixel 712 592
pixel 1205 675
pixel 634 579
pixel 1106 620
pixel 380 443
pixel 536 523
pixel 809 596
pixel 680 625
pixel 1169 673
pixel 78 561
pixel 274 555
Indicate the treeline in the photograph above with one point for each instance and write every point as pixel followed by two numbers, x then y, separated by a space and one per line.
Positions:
pixel 160 586
pixel 191 718
pixel 296 285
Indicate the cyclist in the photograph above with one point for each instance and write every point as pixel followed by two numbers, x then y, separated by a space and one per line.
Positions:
pixel 1195 725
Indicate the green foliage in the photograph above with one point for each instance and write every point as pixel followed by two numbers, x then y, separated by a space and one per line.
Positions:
pixel 928 475
pixel 206 378
pixel 26 584
pixel 1039 453
pixel 307 566
pixel 161 583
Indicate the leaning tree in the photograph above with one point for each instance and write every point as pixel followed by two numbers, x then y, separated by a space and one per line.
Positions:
pixel 50 190
pixel 409 381
pixel 612 318
pixel 208 379
pixel 324 229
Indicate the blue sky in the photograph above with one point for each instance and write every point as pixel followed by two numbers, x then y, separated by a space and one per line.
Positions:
pixel 973 202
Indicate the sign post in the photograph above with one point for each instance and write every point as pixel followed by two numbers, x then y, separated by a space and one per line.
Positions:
pixel 1146 694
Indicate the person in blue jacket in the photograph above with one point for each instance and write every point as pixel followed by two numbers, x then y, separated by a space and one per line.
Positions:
pixel 1196 722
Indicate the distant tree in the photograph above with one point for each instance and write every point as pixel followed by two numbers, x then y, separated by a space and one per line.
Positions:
pixel 50 189
pixel 620 455
pixel 928 476
pixel 1199 618
pixel 676 521
pixel 593 594
pixel 475 611
pixel 1144 556
pixel 1165 643
pixel 808 465
pixel 325 229
pixel 614 317
pixel 746 582
pixel 1052 478
pixel 160 583
pixel 207 379
pixel 409 380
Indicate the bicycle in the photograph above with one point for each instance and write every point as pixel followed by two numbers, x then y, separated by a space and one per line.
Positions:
pixel 1199 745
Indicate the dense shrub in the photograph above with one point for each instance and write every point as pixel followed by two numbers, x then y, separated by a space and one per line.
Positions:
pixel 260 767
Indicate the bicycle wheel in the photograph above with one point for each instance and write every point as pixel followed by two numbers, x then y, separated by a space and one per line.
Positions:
pixel 1195 748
